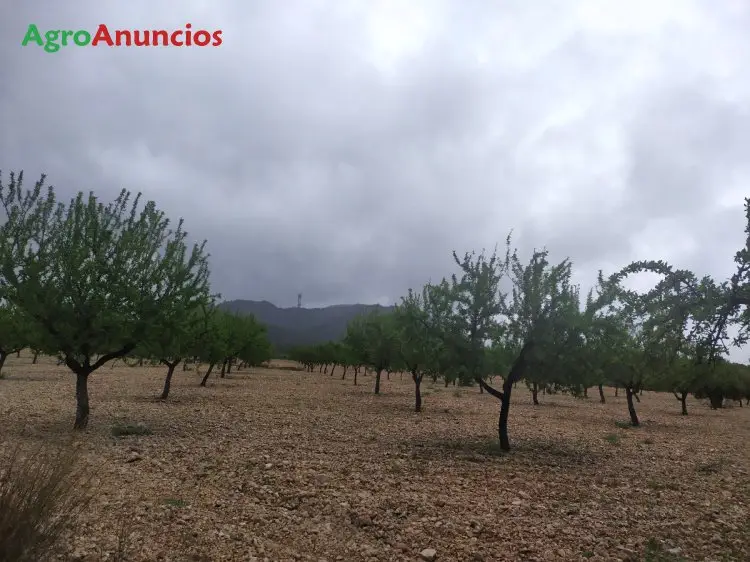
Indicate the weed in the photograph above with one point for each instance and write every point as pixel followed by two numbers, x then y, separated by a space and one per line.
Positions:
pixel 612 439
pixel 128 429
pixel 175 502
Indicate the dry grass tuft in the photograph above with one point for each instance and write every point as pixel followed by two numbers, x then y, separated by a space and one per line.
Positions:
pixel 42 492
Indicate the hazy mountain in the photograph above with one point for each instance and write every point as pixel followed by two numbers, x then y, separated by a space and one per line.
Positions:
pixel 288 327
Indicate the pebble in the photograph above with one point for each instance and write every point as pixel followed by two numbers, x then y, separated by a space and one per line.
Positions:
pixel 428 554
pixel 132 457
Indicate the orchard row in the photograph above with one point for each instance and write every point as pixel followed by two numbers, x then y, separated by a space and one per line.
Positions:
pixel 92 282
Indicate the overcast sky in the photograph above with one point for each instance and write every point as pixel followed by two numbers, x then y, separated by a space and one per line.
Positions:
pixel 343 149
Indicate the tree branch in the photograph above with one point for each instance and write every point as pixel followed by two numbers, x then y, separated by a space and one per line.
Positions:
pixel 493 392
pixel 113 355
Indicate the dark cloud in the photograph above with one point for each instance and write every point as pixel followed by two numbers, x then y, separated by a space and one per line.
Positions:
pixel 343 150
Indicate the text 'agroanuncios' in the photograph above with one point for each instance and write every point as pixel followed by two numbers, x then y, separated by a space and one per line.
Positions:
pixel 54 39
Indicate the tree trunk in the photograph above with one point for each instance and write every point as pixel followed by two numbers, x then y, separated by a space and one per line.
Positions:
pixel 82 401
pixel 586 392
pixel 717 400
pixel 447 382
pixel 229 366
pixel 617 388
pixel 635 395
pixel 356 373
pixel 223 369
pixel 377 381
pixel 502 422
pixel 602 399
pixel 168 380
pixel 631 407
pixel 683 403
pixel 516 372
pixel 3 357
pixel 535 394
pixel 36 356
pixel 333 368
pixel 208 372
pixel 481 389
pixel 388 375
pixel 184 366
pixel 18 354
pixel 417 392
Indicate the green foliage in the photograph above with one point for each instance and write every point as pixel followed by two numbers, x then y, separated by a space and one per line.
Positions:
pixel 477 301
pixel 416 337
pixel 14 331
pixel 545 309
pixel 182 334
pixel 722 381
pixel 232 336
pixel 372 340
pixel 95 279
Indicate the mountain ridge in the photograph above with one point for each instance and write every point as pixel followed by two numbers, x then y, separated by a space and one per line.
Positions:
pixel 293 326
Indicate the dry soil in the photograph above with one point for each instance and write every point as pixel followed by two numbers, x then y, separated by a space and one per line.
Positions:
pixel 273 464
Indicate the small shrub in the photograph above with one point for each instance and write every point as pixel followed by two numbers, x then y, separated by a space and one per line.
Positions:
pixel 612 439
pixel 174 502
pixel 42 493
pixel 128 429
pixel 623 424
pixel 457 393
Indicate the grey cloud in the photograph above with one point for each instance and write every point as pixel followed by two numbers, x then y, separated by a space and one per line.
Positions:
pixel 310 167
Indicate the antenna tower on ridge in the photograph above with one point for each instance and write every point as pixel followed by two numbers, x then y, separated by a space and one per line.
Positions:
pixel 299 300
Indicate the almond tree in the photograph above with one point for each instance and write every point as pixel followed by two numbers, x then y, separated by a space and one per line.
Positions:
pixel 541 324
pixel 356 342
pixel 214 346
pixel 682 321
pixel 381 345
pixel 180 338
pixel 256 348
pixel 417 343
pixel 94 280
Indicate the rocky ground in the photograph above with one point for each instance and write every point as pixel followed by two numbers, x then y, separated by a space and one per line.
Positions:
pixel 281 465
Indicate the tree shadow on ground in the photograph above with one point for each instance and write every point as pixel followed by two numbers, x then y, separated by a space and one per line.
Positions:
pixel 174 399
pixel 534 450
